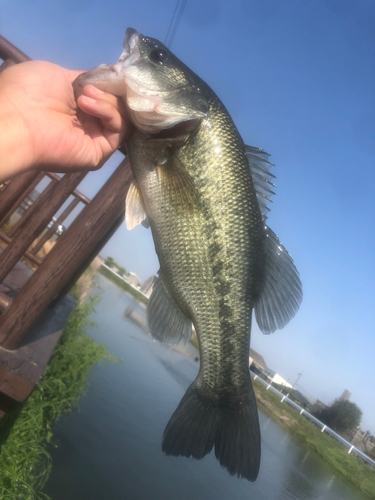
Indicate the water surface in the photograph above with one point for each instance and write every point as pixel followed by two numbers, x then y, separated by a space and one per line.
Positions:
pixel 111 448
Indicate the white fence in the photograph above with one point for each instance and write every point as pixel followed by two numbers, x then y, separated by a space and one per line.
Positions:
pixel 317 422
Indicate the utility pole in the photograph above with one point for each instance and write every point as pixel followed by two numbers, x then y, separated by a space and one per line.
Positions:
pixel 293 386
pixel 297 379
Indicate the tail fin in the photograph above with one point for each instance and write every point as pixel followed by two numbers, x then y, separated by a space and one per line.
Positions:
pixel 200 423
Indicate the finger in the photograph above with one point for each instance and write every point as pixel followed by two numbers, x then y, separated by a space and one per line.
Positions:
pixel 104 110
pixel 103 126
pixel 95 93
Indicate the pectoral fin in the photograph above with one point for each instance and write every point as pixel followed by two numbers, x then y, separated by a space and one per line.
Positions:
pixel 166 322
pixel 177 184
pixel 281 294
pixel 135 212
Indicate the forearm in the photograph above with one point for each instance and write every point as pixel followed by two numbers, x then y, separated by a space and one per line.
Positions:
pixel 15 156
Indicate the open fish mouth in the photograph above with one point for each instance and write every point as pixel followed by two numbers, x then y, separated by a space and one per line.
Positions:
pixel 131 43
pixel 112 78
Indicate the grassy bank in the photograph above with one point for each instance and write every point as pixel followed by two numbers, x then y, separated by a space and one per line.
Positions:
pixel 123 284
pixel 24 461
pixel 362 476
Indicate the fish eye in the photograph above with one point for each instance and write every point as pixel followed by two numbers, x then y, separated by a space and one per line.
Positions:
pixel 158 56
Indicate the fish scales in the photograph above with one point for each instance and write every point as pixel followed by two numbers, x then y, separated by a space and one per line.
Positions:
pixel 194 180
pixel 223 283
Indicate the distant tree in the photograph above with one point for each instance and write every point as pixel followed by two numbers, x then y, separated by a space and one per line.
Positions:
pixel 121 270
pixel 109 261
pixel 341 416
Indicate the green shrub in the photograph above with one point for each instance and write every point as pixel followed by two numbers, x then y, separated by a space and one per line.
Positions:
pixel 24 461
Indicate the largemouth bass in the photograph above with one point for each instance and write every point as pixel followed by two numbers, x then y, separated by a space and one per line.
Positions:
pixel 204 195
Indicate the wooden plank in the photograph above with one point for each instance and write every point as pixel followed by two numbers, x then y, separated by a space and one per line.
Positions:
pixel 78 194
pixel 14 385
pixel 65 258
pixel 21 369
pixel 15 280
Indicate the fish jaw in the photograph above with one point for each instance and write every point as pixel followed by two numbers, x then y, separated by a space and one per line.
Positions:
pixel 104 77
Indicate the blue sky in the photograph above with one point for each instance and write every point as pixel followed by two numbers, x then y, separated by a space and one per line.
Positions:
pixel 298 79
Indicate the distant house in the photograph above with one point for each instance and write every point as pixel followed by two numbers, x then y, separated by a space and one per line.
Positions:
pixel 258 366
pixel 256 361
pixel 133 279
pixel 148 285
pixel 345 395
pixel 303 399
pixel 361 440
pixel 318 406
pixel 278 379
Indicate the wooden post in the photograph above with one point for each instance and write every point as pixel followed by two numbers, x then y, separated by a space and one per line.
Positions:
pixel 91 256
pixel 34 208
pixel 52 203
pixel 65 258
pixel 10 51
pixel 14 191
pixel 27 254
pixel 51 231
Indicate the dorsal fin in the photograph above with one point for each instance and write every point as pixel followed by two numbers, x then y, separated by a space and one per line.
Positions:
pixel 260 171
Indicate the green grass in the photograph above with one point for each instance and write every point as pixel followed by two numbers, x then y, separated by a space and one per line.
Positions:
pixel 123 284
pixel 361 475
pixel 24 461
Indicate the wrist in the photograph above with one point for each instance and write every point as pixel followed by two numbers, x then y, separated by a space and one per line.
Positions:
pixel 16 156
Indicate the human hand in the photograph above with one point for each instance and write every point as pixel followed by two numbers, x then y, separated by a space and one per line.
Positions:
pixel 41 126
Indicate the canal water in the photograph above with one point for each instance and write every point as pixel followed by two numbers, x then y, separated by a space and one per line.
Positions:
pixel 111 448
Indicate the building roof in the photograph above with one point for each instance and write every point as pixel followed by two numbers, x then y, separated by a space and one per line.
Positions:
pixel 304 399
pixel 148 285
pixel 257 359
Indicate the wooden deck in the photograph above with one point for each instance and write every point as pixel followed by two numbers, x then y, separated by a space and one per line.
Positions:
pixel 21 369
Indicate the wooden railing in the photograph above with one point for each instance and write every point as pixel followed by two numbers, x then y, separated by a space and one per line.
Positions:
pixel 74 249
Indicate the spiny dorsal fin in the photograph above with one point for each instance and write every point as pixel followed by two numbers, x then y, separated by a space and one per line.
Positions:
pixel 281 294
pixel 135 212
pixel 260 171
pixel 166 322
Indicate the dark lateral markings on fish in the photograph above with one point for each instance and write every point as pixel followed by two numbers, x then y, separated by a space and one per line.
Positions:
pixel 204 194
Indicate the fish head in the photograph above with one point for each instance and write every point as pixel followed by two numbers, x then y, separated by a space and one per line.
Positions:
pixel 158 89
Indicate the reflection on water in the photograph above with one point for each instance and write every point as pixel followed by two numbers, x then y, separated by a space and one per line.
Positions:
pixel 111 449
pixel 136 313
